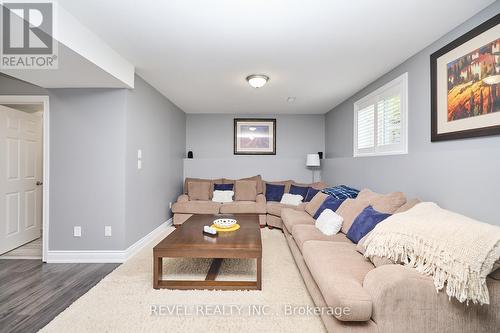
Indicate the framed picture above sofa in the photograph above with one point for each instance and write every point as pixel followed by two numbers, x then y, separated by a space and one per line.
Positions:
pixel 254 136
pixel 465 85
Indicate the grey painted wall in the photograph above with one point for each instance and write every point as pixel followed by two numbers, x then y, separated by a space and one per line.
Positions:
pixel 87 168
pixel 158 128
pixel 94 137
pixel 210 137
pixel 460 175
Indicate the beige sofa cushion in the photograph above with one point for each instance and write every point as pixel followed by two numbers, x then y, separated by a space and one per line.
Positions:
pixel 306 232
pixel 317 185
pixel 292 217
pixel 183 198
pixel 274 221
pixel 384 203
pixel 245 190
pixel 211 181
pixel 349 210
pixel 228 181
pixel 258 180
pixel 339 271
pixel 196 207
pixel 313 205
pixel 408 205
pixel 243 207
pixel 199 190
pixel 274 207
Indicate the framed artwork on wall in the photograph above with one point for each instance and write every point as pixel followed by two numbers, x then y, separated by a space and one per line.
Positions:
pixel 254 136
pixel 465 85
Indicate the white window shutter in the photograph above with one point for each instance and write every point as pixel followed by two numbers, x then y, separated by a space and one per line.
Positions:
pixel 381 120
pixel 366 128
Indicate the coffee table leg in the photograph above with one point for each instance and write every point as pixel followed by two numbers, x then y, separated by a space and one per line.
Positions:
pixel 157 271
pixel 259 273
pixel 214 269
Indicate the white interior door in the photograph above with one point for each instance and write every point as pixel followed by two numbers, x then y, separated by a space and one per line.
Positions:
pixel 20 177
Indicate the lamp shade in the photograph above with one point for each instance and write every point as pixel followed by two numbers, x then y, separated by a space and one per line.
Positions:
pixel 312 160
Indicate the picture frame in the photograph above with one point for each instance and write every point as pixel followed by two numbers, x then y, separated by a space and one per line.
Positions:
pixel 254 136
pixel 465 85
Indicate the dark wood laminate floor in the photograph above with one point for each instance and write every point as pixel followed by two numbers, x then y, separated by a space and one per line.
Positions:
pixel 33 293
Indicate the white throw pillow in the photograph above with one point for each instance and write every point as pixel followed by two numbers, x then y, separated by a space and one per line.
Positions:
pixel 291 199
pixel 223 196
pixel 329 222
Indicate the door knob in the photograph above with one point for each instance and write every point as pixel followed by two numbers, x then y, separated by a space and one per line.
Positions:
pixel 39 183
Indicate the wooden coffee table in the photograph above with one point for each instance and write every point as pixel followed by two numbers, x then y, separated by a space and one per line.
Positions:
pixel 188 241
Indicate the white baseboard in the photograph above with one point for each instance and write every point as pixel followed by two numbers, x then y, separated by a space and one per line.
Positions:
pixel 106 256
pixel 137 246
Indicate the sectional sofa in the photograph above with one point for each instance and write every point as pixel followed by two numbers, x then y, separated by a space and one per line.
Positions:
pixel 363 295
pixel 380 296
pixel 255 203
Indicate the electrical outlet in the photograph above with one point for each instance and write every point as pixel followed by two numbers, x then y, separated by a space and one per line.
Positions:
pixel 77 231
pixel 170 205
pixel 107 231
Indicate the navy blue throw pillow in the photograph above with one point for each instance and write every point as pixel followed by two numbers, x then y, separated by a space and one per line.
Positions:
pixel 329 203
pixel 364 223
pixel 274 192
pixel 310 194
pixel 300 190
pixel 223 187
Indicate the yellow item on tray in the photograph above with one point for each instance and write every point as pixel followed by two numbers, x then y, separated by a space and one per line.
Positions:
pixel 232 228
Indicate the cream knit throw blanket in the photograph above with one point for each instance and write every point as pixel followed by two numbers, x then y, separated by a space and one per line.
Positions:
pixel 450 247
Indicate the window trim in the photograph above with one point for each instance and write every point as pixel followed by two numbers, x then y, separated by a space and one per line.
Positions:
pixel 402 82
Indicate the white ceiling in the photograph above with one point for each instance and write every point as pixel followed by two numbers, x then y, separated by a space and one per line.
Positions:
pixel 198 53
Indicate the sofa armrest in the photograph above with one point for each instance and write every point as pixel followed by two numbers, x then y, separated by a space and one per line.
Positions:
pixel 405 300
pixel 398 291
pixel 260 198
pixel 183 198
pixel 260 204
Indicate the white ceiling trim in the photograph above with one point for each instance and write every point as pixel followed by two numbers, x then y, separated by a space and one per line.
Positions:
pixel 85 60
pixel 83 41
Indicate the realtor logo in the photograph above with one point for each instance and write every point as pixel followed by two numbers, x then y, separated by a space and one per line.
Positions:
pixel 27 36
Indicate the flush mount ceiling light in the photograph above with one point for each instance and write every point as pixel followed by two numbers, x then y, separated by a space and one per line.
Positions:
pixel 257 80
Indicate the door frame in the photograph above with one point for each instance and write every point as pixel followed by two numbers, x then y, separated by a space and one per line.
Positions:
pixel 44 100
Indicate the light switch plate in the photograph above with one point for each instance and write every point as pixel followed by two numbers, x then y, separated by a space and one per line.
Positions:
pixel 107 231
pixel 77 231
pixel 139 164
pixel 139 153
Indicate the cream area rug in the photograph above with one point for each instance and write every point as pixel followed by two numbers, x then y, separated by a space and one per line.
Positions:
pixel 125 301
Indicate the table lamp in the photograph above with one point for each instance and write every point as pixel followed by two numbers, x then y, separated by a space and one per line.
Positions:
pixel 312 161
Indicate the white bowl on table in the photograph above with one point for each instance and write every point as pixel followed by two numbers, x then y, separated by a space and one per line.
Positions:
pixel 225 222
